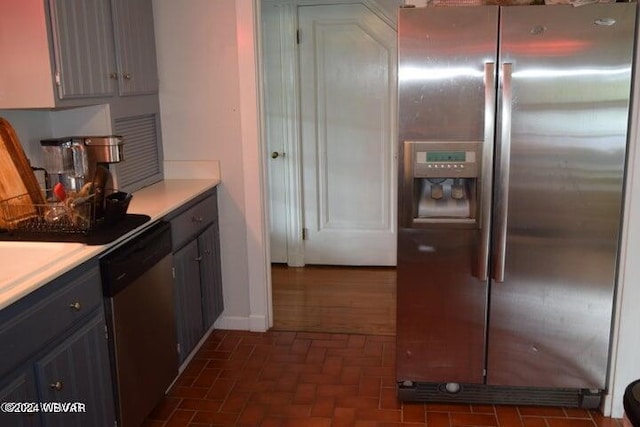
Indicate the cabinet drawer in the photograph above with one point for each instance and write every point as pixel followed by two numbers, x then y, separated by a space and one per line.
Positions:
pixel 186 225
pixel 30 323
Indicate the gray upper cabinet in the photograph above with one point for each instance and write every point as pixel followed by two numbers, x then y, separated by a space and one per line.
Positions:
pixel 84 48
pixel 135 44
pixel 104 44
pixel 75 52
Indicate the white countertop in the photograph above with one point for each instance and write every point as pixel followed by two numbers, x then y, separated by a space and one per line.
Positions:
pixel 26 266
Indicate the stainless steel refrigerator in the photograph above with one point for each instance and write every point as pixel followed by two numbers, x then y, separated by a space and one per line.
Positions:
pixel 512 149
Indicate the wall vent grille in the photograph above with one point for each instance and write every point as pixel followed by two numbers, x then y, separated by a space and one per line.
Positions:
pixel 142 163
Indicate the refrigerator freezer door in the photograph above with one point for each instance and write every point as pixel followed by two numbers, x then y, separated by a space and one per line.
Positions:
pixel 445 55
pixel 550 318
pixel 442 52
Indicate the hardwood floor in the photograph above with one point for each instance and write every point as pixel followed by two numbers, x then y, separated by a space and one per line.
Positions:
pixel 357 300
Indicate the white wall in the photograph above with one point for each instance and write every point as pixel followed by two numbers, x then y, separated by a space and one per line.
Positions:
pixel 202 86
pixel 31 126
pixel 625 364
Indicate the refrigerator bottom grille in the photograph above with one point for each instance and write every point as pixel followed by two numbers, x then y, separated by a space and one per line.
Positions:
pixel 499 395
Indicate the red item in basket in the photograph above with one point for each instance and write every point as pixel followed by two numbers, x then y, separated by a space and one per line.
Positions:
pixel 59 191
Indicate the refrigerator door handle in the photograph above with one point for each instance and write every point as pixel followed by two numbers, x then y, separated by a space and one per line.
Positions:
pixel 504 154
pixel 487 168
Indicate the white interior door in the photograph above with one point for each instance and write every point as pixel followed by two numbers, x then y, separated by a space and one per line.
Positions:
pixel 348 110
pixel 276 132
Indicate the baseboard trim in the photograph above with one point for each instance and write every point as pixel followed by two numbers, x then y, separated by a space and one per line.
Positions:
pixel 258 323
pixel 254 323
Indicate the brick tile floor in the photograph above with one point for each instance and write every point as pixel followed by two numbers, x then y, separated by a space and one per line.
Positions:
pixel 314 379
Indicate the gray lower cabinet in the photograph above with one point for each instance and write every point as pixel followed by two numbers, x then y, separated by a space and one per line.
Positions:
pixel 212 301
pixel 77 371
pixel 188 298
pixel 196 257
pixel 55 357
pixel 21 388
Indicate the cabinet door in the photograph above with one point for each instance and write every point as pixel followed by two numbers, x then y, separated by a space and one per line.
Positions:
pixel 219 300
pixel 135 43
pixel 77 371
pixel 20 390
pixel 84 49
pixel 211 280
pixel 188 298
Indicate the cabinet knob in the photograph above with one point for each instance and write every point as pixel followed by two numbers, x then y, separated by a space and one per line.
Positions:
pixel 75 306
pixel 126 76
pixel 275 155
pixel 113 76
pixel 197 219
pixel 57 386
pixel 198 258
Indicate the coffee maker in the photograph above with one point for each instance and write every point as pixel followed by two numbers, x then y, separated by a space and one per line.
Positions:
pixel 81 164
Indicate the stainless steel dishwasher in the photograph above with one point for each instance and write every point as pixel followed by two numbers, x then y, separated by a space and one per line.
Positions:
pixel 138 286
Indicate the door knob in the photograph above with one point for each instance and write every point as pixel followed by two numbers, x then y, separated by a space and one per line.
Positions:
pixel 275 155
pixel 57 386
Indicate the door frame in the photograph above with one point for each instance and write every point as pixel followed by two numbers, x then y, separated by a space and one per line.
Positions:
pixel 290 103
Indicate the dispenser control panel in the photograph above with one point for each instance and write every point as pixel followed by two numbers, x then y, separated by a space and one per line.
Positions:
pixel 444 159
pixel 446 156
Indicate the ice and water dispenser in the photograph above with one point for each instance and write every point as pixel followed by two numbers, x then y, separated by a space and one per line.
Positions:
pixel 441 182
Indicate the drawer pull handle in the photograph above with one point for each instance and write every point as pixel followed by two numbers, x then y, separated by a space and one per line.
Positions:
pixel 197 219
pixel 75 306
pixel 57 386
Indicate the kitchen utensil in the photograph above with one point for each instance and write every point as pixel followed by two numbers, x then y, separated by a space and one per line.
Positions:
pixel 16 176
pixel 115 207
pixel 101 178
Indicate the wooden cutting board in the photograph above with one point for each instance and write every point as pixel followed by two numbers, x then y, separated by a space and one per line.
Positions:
pixel 16 178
